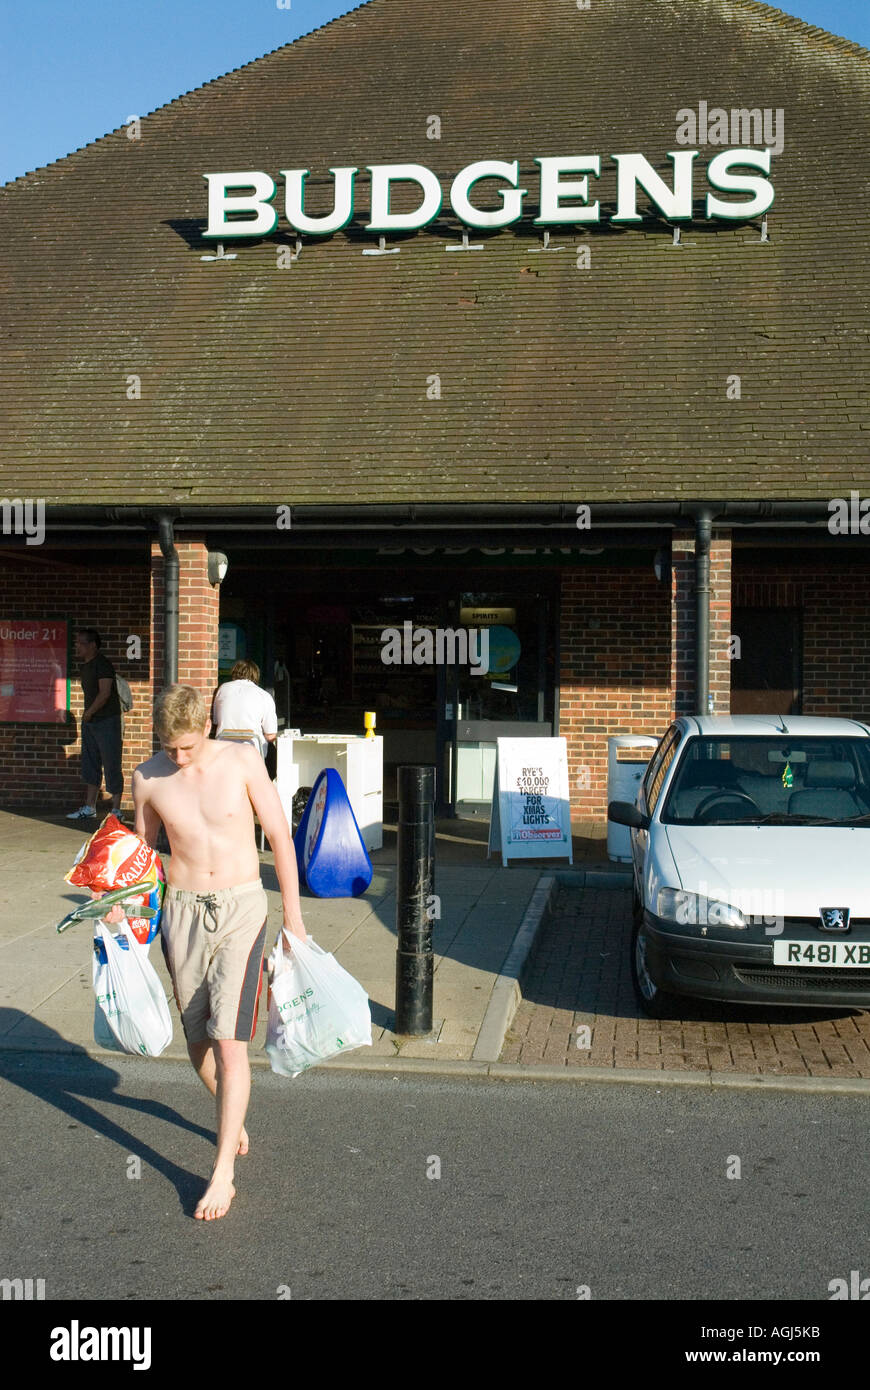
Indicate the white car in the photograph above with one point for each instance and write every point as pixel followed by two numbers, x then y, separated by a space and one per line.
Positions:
pixel 750 845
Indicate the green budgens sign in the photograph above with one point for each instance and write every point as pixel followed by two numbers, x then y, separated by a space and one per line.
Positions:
pixel 240 204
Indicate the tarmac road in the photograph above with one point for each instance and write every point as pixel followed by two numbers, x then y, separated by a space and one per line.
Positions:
pixel 543 1189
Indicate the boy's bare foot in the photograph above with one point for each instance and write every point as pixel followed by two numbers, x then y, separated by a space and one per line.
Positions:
pixel 244 1142
pixel 216 1199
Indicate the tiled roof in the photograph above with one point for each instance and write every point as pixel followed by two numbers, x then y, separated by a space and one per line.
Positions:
pixel 312 384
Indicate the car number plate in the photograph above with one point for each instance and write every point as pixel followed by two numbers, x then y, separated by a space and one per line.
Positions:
pixel 842 954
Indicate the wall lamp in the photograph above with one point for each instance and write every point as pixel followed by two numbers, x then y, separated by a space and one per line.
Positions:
pixel 662 565
pixel 218 564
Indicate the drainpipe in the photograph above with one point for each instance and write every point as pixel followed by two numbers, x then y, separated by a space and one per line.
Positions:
pixel 170 599
pixel 703 532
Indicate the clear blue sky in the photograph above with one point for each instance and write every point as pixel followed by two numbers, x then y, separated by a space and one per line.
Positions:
pixel 72 70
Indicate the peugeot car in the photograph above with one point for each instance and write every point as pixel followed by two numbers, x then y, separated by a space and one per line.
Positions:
pixel 750 842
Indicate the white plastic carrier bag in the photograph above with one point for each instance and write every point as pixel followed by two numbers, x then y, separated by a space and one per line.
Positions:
pixel 316 1009
pixel 131 1013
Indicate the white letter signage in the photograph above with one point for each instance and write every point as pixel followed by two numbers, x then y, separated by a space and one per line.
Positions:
pixel 511 198
pixel 220 203
pixel 255 191
pixel 636 169
pixel 719 177
pixel 552 191
pixel 383 175
pixel 342 202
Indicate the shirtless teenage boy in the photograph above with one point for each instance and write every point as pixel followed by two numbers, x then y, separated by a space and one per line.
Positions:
pixel 213 927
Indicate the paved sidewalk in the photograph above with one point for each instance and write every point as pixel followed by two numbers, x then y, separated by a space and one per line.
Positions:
pixel 46 994
pixel 524 957
pixel 578 976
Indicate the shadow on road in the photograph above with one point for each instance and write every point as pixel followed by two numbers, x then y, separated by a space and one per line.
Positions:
pixel 77 1079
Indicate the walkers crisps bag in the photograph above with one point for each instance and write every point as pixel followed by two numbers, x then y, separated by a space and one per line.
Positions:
pixel 130 1009
pixel 115 857
pixel 316 1009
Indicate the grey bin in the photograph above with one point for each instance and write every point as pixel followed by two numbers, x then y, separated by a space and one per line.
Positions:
pixel 623 782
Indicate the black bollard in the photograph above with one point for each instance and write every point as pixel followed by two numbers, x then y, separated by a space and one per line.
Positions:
pixel 414 890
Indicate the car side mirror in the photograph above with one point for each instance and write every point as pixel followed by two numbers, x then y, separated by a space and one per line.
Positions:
pixel 624 813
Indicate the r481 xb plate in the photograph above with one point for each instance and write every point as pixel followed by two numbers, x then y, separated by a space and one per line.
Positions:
pixel 845 954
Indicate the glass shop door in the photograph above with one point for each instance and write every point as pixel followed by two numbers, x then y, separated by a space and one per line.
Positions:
pixel 511 698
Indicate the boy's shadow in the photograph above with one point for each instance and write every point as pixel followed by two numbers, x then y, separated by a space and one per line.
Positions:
pixel 78 1077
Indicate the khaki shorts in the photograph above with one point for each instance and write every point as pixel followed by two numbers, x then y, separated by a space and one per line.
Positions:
pixel 213 945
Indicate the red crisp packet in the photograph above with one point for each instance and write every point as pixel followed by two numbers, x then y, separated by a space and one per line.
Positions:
pixel 115 857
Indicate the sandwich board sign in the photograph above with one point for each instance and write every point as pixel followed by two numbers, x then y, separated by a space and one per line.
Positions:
pixel 531 808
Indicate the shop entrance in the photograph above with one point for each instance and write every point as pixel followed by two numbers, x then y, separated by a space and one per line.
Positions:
pixel 318 637
pixel 512 700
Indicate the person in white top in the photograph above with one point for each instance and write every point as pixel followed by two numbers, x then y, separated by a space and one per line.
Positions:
pixel 242 711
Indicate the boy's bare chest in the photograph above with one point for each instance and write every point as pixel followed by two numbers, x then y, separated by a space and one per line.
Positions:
pixel 213 795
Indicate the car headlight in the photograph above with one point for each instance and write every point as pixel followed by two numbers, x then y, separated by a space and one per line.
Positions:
pixel 695 910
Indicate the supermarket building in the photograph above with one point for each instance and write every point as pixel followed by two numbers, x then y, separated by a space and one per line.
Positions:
pixel 620 431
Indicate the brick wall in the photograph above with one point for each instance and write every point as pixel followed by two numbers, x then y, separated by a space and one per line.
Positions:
pixel 40 764
pixel 834 601
pixel 628 657
pixel 615 675
pixel 198 617
pixel 720 620
pixel 683 615
pixel 627 651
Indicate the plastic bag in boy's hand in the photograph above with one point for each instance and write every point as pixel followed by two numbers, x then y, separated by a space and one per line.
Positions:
pixel 316 1009
pixel 131 1013
pixel 115 858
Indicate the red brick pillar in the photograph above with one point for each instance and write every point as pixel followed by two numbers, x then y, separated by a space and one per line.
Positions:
pixel 614 675
pixel 683 621
pixel 720 621
pixel 198 617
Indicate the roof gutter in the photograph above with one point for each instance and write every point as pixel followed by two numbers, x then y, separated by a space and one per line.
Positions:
pixel 424 517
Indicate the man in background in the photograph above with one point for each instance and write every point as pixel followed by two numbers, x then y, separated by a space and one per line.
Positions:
pixel 242 712
pixel 102 743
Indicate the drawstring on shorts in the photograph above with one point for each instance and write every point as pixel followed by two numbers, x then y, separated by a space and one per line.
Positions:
pixel 210 903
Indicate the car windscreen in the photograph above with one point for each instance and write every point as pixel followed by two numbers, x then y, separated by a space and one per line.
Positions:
pixel 770 780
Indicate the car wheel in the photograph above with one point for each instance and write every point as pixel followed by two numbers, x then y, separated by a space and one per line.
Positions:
pixel 654 1001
